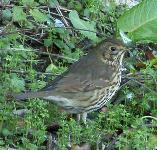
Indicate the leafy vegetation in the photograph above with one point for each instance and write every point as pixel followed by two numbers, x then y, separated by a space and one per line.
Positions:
pixel 140 21
pixel 40 39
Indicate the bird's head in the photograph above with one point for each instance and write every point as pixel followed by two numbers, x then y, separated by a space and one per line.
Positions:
pixel 111 50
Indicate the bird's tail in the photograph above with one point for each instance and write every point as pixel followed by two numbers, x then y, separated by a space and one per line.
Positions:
pixel 24 96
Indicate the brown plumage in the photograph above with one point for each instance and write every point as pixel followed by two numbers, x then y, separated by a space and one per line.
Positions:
pixel 89 83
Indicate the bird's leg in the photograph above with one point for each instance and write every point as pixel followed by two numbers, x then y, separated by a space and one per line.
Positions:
pixel 78 117
pixel 82 117
pixel 123 68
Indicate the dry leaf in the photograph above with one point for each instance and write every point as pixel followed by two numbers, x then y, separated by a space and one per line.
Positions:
pixel 85 146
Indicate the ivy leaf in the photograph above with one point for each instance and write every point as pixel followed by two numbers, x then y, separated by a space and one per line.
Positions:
pixel 6 132
pixel 6 14
pixel 48 42
pixel 53 3
pixel 18 84
pixel 140 22
pixel 2 142
pixel 55 70
pixel 86 28
pixel 18 14
pixel 51 68
pixel 28 2
pixel 38 15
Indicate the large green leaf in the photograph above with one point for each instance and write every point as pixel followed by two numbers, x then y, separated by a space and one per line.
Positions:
pixel 85 27
pixel 38 15
pixel 140 21
pixel 17 83
pixel 18 14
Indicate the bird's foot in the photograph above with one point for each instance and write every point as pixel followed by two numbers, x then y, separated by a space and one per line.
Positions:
pixel 82 117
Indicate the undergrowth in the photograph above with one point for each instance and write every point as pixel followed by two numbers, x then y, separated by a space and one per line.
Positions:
pixel 34 51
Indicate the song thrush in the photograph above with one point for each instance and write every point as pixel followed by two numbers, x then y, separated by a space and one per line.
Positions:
pixel 89 83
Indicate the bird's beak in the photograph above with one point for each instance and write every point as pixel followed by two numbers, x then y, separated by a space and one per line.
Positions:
pixel 129 45
pixel 123 49
pixel 126 40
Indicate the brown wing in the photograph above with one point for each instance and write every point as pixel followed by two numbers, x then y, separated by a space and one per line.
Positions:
pixel 73 83
pixel 85 75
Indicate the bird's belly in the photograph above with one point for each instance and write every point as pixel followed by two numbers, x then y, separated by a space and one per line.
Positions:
pixel 95 101
pixel 59 100
pixel 105 96
pixel 65 103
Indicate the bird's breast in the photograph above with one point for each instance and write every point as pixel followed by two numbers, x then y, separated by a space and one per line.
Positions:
pixel 101 97
pixel 61 101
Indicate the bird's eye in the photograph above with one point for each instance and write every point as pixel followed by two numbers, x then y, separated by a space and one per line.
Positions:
pixel 112 48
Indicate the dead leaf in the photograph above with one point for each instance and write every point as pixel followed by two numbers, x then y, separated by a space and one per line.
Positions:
pixel 104 109
pixel 149 55
pixel 85 146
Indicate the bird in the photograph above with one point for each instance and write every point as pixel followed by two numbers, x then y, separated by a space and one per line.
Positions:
pixel 89 83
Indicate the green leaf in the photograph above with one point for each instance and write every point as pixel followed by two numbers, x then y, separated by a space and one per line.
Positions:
pixel 1 121
pixel 6 132
pixel 28 2
pixel 18 14
pixel 48 42
pixel 38 15
pixel 51 68
pixel 2 142
pixel 62 45
pixel 55 70
pixel 6 14
pixel 53 3
pixel 5 2
pixel 86 28
pixel 43 1
pixel 17 83
pixel 141 21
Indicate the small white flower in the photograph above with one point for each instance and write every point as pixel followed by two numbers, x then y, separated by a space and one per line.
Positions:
pixel 59 23
pixel 130 96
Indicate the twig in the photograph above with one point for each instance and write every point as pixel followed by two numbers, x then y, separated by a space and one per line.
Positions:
pixel 26 72
pixel 133 79
pixel 46 27
pixel 49 142
pixel 144 86
pixel 57 55
pixel 31 38
pixel 21 112
pixel 151 117
pixel 150 125
pixel 64 9
pixel 4 6
pixel 62 16
pixel 38 51
pixel 52 142
pixel 52 13
pixel 1 8
pixel 61 7
pixel 124 84
pixel 35 60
